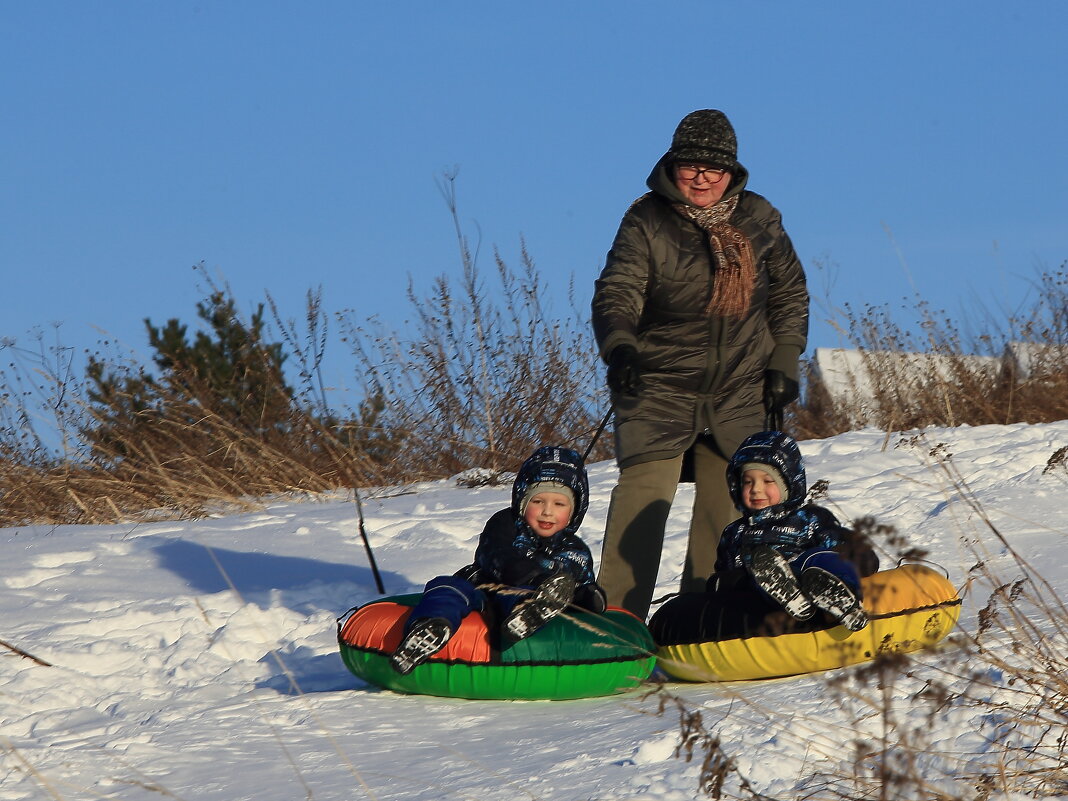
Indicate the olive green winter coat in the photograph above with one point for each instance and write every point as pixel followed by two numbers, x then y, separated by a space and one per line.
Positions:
pixel 700 372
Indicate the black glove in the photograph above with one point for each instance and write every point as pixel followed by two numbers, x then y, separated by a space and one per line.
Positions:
pixel 624 375
pixel 779 390
pixel 592 598
pixel 726 580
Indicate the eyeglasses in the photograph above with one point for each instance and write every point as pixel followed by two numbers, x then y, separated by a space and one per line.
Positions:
pixel 691 172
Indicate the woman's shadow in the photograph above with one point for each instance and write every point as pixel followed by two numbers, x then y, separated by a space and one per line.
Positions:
pixel 208 569
pixel 298 583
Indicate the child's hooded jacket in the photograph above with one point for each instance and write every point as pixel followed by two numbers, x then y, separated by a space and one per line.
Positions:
pixel 790 527
pixel 510 552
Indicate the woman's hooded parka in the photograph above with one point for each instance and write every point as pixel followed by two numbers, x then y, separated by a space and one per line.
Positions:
pixel 701 373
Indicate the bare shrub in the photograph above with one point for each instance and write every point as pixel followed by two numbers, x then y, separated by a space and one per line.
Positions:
pixel 818 414
pixel 215 424
pixel 481 382
pixel 935 374
pixel 982 716
pixel 1002 685
pixel 488 376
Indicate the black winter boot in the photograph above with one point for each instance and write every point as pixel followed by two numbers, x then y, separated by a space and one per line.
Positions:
pixel 772 573
pixel 426 638
pixel 550 599
pixel 833 596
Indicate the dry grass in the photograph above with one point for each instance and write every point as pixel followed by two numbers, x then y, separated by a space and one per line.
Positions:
pixel 984 716
pixel 930 373
pixel 486 377
pixel 180 470
pixel 481 382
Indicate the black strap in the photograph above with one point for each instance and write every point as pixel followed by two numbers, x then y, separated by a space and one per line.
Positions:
pixel 597 435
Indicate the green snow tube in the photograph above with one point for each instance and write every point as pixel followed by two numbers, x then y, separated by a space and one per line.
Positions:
pixel 575 655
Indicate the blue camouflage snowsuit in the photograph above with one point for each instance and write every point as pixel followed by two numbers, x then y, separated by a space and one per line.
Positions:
pixel 807 535
pixel 512 554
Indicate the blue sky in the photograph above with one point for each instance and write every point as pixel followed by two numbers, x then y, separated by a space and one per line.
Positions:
pixel 911 146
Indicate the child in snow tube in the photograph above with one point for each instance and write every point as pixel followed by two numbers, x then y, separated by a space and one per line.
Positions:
pixel 529 565
pixel 784 560
pixel 731 636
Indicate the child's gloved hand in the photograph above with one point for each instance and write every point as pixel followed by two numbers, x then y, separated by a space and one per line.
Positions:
pixel 591 597
pixel 725 580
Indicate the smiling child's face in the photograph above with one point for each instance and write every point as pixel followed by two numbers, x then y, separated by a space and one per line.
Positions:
pixel 759 490
pixel 547 513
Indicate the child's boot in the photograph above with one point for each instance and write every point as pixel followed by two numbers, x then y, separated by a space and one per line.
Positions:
pixel 426 638
pixel 834 596
pixel 772 574
pixel 548 600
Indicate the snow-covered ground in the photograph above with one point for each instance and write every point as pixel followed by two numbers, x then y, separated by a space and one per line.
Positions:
pixel 197 660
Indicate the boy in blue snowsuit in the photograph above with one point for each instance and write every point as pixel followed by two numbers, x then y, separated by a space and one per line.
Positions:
pixel 796 553
pixel 532 546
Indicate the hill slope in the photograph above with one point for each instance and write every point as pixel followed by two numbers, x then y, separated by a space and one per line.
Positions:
pixel 197 660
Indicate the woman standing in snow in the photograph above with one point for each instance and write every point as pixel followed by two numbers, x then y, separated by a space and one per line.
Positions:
pixel 701 313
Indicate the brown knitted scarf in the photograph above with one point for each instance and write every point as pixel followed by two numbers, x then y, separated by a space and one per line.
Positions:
pixel 734 269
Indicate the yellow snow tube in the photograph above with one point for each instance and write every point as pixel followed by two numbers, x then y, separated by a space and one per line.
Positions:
pixel 911 607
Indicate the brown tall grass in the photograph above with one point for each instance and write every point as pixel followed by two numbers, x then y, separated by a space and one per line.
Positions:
pixel 481 381
pixel 487 376
pixel 930 372
pixel 982 716
pixel 487 372
pixel 473 381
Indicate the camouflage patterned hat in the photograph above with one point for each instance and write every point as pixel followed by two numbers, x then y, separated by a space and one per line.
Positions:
pixel 706 137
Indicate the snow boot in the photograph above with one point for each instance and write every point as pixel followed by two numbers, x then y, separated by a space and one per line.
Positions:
pixel 772 573
pixel 833 596
pixel 548 600
pixel 425 639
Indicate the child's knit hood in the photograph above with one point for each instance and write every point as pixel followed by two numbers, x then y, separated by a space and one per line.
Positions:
pixel 554 465
pixel 776 452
